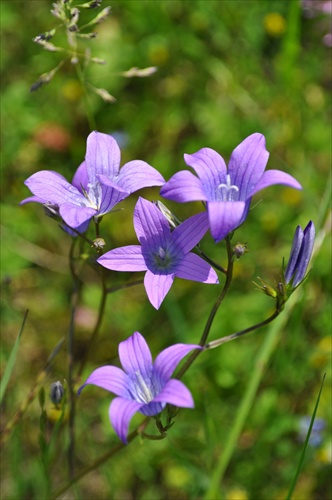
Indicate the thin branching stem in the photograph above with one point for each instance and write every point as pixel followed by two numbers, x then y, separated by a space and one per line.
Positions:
pixel 212 262
pixel 139 431
pixel 207 328
pixel 224 340
pixel 88 111
pixel 96 329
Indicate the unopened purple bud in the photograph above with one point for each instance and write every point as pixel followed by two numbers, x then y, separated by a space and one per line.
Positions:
pixel 56 392
pixel 300 254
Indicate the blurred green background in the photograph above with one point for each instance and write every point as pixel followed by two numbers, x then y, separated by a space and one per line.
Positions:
pixel 226 69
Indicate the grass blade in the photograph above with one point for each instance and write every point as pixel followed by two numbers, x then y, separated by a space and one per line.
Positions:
pixel 299 467
pixel 11 361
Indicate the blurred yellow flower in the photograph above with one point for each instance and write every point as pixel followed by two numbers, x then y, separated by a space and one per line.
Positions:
pixel 236 494
pixel 274 24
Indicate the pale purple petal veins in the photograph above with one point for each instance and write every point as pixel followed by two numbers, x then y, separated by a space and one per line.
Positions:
pixel 76 216
pixel 190 232
pixel 121 412
pixel 271 177
pixel 176 393
pixel 157 287
pixel 138 174
pixel 127 259
pixel 306 251
pixel 135 356
pixel 184 186
pixel 192 267
pixel 80 179
pixel 210 168
pixel 247 164
pixel 224 217
pixel 151 226
pixel 102 156
pixel 111 378
pixel 111 194
pixel 54 188
pixel 166 362
pixel 294 254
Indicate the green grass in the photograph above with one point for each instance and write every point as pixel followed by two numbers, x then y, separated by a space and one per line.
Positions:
pixel 221 76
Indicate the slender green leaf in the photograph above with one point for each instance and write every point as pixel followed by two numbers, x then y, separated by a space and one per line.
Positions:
pixel 300 465
pixel 11 361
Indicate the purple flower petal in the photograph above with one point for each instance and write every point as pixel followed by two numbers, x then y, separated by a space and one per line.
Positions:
pixel 152 408
pixel 177 394
pixel 111 378
pixel 192 267
pixel 191 231
pixel 225 217
pixel 76 216
pixel 111 194
pixel 294 253
pixel 80 179
pixel 102 156
pixel 150 224
pixel 138 174
pixel 210 168
pixel 127 258
pixel 32 199
pixel 166 362
pixel 157 287
pixel 54 188
pixel 184 186
pixel 121 412
pixel 135 356
pixel 271 177
pixel 247 164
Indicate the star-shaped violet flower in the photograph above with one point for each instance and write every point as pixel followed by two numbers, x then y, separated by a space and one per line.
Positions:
pixel 142 386
pixel 227 193
pixel 98 184
pixel 162 254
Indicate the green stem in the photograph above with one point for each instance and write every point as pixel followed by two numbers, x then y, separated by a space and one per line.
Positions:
pixel 212 262
pixel 88 110
pixel 264 355
pixel 115 288
pixel 70 350
pixel 101 460
pixel 223 340
pixel 213 312
pixel 96 329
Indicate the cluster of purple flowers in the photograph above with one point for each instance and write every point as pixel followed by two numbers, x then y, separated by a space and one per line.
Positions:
pixel 165 251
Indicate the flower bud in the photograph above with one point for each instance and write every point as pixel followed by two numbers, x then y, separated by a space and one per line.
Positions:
pixel 240 249
pixel 303 243
pixel 172 219
pixel 99 243
pixel 56 392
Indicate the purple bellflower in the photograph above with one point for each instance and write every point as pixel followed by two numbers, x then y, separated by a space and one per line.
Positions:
pixel 162 254
pixel 300 254
pixel 141 385
pixel 98 184
pixel 227 193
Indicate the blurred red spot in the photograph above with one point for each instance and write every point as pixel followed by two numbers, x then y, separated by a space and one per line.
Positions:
pixel 52 136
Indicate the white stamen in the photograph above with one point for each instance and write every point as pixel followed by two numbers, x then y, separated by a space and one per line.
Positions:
pixel 142 390
pixel 161 253
pixel 227 190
